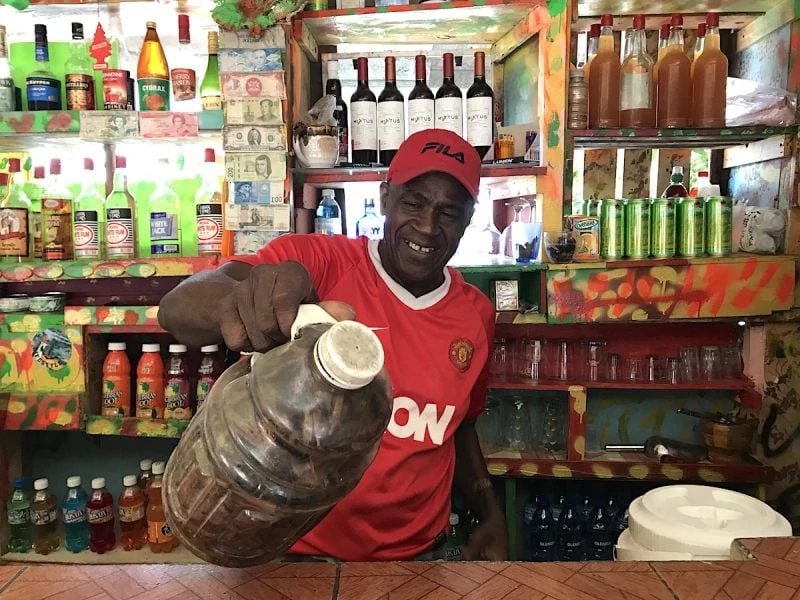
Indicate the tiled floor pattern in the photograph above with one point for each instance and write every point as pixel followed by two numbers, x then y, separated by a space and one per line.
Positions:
pixel 775 575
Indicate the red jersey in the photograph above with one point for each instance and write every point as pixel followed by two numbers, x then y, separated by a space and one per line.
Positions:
pixel 436 349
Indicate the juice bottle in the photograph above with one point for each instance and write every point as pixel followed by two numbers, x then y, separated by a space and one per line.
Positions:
pixel 663 44
pixel 637 95
pixel 73 511
pixel 604 80
pixel 710 79
pixel 116 381
pixel 20 528
pixel 100 515
pixel 159 534
pixel 153 73
pixel 177 397
pixel 150 383
pixel 132 521
pixel 44 516
pixel 591 49
pixel 145 475
pixel 674 80
pixel 211 368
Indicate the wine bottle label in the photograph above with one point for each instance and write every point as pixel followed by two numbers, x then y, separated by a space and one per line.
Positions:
pixel 131 514
pixel 80 91
pixel 448 114
pixel 636 92
pixel 480 121
pixel 76 515
pixel 14 232
pixel 6 95
pixel 363 125
pixel 44 517
pixel 420 115
pixel 391 125
pixel 153 93
pixel 95 516
pixel 184 84
pixel 209 228
pixel 87 240
pixel 44 89
pixel 212 102
pixel 119 232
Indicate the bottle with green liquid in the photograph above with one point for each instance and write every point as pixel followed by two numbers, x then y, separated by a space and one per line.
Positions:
pixel 88 217
pixel 120 217
pixel 165 215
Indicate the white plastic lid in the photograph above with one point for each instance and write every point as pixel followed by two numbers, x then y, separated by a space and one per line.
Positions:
pixel 41 484
pixel 158 468
pixel 151 347
pixel 98 483
pixel 349 355
pixel 145 464
pixel 129 480
pixel 209 349
pixel 454 519
pixel 176 348
pixel 328 193
pixel 333 69
pixel 74 481
pixel 112 346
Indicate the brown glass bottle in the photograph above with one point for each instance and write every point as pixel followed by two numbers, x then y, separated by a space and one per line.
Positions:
pixel 391 116
pixel 674 80
pixel 363 118
pixel 637 94
pixel 604 80
pixel 710 78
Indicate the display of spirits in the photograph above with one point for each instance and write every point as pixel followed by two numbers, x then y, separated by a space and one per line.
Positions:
pixel 34 189
pixel 363 118
pixel 447 106
pixel 600 535
pixel 710 80
pixel 7 91
pixel 42 88
pixel 333 87
pixel 570 534
pixel 674 80
pixel 480 109
pixel 152 73
pixel 208 208
pixel 637 104
pixel 79 78
pixel 120 235
pixel 88 216
pixel 604 78
pixel 16 240
pixel 391 116
pixel 56 216
pixel 420 100
pixel 210 89
pixel 370 225
pixel 184 79
pixel 328 219
pixel 165 211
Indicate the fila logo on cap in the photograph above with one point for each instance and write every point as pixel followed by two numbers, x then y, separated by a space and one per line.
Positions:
pixel 440 148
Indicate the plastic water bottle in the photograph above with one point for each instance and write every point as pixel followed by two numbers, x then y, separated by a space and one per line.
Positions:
pixel 600 531
pixel 570 534
pixel 73 510
pixel 370 225
pixel 543 532
pixel 19 517
pixel 329 215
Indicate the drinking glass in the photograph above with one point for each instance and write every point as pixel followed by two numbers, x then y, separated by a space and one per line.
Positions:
pixel 612 367
pixel 710 363
pixel 517 425
pixel 562 360
pixel 633 372
pixel 594 358
pixel 673 370
pixel 690 361
pixel 653 368
pixel 552 425
pixel 731 362
pixel 500 358
pixel 528 358
pixel 489 425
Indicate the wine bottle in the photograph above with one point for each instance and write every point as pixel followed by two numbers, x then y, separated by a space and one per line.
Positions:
pixel 420 101
pixel 391 116
pixel 210 90
pixel 43 88
pixel 333 87
pixel 363 118
pixel 448 109
pixel 184 78
pixel 480 109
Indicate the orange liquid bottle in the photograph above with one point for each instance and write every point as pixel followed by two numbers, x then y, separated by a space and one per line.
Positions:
pixel 604 80
pixel 710 80
pixel 591 49
pixel 150 383
pixel 699 44
pixel 674 80
pixel 132 520
pixel 152 73
pixel 637 105
pixel 663 44
pixel 159 534
pixel 116 381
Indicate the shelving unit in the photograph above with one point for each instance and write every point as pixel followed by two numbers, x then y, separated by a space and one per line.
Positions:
pixel 675 138
pixel 519 383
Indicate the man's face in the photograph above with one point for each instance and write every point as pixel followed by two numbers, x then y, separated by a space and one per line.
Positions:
pixel 425 219
pixel 261 166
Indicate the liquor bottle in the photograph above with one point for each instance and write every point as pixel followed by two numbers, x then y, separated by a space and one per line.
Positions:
pixel 333 87
pixel 328 219
pixel 210 89
pixel 528 512
pixel 604 80
pixel 600 532
pixel 79 78
pixel 637 105
pixel 20 528
pixel 7 90
pixel 676 189
pixel 43 89
pixel 542 532
pixel 663 44
pixel 674 80
pixel 89 213
pixel 699 43
pixel 184 79
pixel 480 109
pixel 370 225
pixel 710 80
pixel 56 217
pixel 363 118
pixel 152 73
pixel 447 107
pixel 120 233
pixel 391 116
pixel 34 190
pixel 592 46
pixel 165 232
pixel 570 534
pixel 208 208
pixel 16 240
pixel 420 100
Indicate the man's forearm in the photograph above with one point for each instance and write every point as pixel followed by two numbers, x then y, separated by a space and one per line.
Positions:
pixel 471 476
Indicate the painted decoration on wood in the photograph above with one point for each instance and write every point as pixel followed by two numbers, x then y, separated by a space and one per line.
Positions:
pixel 133 427
pixel 111 315
pixel 40 411
pixel 43 121
pixel 81 269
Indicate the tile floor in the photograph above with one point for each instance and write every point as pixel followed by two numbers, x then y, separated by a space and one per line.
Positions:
pixel 773 575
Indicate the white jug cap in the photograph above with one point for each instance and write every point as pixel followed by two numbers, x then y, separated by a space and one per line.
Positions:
pixel 309 314
pixel 129 480
pixel 151 347
pixel 98 483
pixel 211 348
pixel 74 481
pixel 158 468
pixel 112 346
pixel 40 484
pixel 349 355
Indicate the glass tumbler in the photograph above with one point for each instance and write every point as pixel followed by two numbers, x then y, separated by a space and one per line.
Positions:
pixel 673 370
pixel 517 425
pixel 731 362
pixel 613 367
pixel 594 360
pixel 690 361
pixel 500 358
pixel 710 363
pixel 633 371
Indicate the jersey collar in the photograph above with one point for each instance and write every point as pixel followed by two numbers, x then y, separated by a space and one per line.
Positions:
pixel 402 294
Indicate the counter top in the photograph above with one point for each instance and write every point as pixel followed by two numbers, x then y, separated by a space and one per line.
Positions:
pixel 769 568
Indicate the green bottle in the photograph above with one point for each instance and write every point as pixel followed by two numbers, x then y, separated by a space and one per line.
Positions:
pixel 165 213
pixel 88 217
pixel 20 527
pixel 452 547
pixel 16 241
pixel 120 217
pixel 210 91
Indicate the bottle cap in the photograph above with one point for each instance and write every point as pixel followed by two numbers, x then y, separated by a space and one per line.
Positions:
pixel 701 30
pixel 209 349
pixel 114 346
pixel 120 162
pixel 702 173
pixel 20 482
pixel 3 178
pixel 40 29
pixel 328 193
pixel 594 30
pixel 664 33
pixel 712 19
pixel 145 464
pixel 151 347
pixel 638 22
pixel 177 348
pixel 349 355
pixel 41 484
pixel 158 468
pixel 151 24
pixel 129 480
pixel 74 481
pixel 333 69
pixel 213 42
pixel 607 20
pixel 98 483
pixel 676 21
pixel 454 519
pixel 210 155
pixel 13 165
pixel 88 164
pixel 183 21
pixel 55 166
pixel 38 172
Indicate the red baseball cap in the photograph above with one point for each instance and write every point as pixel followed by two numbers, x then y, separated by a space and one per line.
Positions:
pixel 433 150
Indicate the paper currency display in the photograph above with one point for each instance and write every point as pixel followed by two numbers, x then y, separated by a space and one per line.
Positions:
pixel 109 124
pixel 254 111
pixel 250 242
pixel 264 217
pixel 254 138
pixel 269 38
pixel 255 166
pixel 257 192
pixel 263 60
pixel 252 85
pixel 155 124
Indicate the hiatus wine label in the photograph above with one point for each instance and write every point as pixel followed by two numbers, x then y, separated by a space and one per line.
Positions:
pixel 420 115
pixel 363 129
pixel 448 114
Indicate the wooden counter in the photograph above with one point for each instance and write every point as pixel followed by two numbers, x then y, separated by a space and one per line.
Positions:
pixel 768 569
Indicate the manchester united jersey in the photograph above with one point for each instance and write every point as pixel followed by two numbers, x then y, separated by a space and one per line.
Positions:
pixel 436 349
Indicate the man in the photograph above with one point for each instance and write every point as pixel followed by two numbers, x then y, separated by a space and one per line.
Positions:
pixel 268 114
pixel 263 168
pixel 436 330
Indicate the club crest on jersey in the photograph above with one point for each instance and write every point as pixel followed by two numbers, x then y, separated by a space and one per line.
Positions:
pixel 461 351
pixel 440 148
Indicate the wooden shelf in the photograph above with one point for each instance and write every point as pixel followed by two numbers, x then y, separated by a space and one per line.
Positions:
pixel 117 556
pixel 674 138
pixel 521 383
pixel 135 427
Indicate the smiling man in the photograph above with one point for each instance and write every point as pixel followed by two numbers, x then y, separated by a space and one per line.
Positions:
pixel 436 331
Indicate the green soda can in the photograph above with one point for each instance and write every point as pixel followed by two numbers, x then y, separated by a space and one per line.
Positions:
pixel 637 228
pixel 662 228
pixel 612 228
pixel 719 225
pixel 593 208
pixel 691 226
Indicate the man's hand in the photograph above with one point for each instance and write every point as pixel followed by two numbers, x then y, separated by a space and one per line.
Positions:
pixel 489 541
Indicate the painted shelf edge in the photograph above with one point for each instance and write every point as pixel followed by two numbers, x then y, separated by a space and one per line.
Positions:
pixel 676 138
pixel 368 174
pixel 520 383
pixel 38 411
pixel 135 427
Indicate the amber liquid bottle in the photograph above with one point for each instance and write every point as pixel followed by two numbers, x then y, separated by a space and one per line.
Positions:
pixel 604 80
pixel 674 80
pixel 591 49
pixel 637 98
pixel 699 43
pixel 663 44
pixel 710 80
pixel 153 73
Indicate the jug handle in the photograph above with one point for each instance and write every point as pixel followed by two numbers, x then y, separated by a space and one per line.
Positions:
pixel 309 314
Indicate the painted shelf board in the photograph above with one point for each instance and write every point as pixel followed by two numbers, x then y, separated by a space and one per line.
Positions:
pixel 39 411
pixel 665 7
pixel 105 269
pixel 134 427
pixel 674 138
pixel 520 383
pixel 117 556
